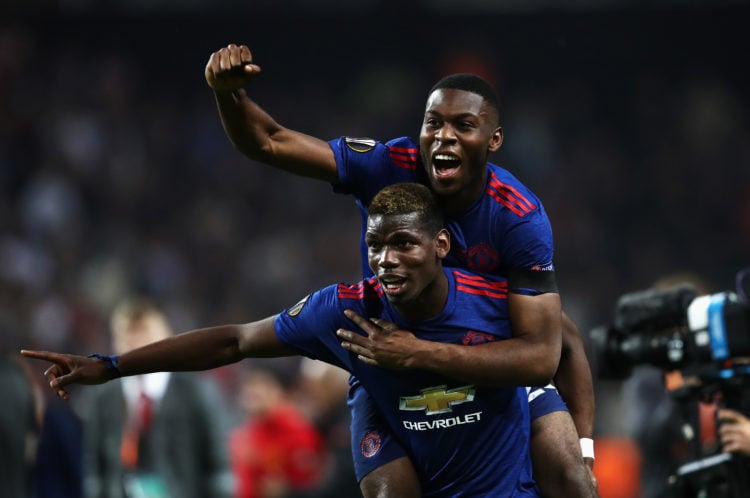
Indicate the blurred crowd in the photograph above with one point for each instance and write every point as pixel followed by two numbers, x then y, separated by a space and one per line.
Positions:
pixel 116 177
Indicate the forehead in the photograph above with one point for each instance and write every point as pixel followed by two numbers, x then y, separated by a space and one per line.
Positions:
pixel 131 325
pixel 447 101
pixel 384 225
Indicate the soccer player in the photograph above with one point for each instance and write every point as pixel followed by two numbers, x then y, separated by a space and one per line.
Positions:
pixel 465 438
pixel 498 227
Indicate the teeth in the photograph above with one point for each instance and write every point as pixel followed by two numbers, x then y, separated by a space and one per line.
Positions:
pixel 391 282
pixel 445 157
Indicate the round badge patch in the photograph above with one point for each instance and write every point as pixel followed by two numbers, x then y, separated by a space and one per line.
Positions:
pixel 370 444
pixel 360 144
pixel 294 310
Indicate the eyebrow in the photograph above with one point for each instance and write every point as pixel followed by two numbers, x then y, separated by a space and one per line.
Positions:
pixel 463 115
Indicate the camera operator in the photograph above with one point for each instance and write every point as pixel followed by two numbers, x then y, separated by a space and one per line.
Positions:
pixel 684 356
pixel 654 419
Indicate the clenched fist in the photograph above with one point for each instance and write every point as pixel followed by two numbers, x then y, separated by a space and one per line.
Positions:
pixel 230 68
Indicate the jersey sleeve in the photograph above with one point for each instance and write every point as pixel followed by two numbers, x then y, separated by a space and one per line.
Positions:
pixel 528 242
pixel 529 249
pixel 310 327
pixel 365 165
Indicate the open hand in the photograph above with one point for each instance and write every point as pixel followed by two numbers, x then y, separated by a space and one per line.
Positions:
pixel 69 369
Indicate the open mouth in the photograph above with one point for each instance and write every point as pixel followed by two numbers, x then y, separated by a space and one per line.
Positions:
pixel 392 284
pixel 445 165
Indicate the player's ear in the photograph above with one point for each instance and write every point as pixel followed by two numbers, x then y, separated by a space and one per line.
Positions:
pixel 442 243
pixel 496 140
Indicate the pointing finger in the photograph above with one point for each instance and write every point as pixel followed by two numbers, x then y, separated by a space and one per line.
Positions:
pixel 41 355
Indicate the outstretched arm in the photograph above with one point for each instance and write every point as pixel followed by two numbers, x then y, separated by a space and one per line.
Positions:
pixel 252 130
pixel 200 349
pixel 528 358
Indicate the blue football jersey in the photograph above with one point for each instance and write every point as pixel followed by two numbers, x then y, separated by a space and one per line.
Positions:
pixel 506 228
pixel 464 440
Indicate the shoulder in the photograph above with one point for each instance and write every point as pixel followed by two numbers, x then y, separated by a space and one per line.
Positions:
pixel 398 149
pixel 506 191
pixel 403 143
pixel 362 293
pixel 357 145
pixel 330 301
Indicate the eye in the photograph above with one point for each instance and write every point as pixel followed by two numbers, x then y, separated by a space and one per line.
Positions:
pixel 373 246
pixel 431 123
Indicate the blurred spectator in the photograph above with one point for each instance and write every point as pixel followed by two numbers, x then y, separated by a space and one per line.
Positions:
pixel 156 435
pixel 19 426
pixel 276 451
pixel 58 469
pixel 322 392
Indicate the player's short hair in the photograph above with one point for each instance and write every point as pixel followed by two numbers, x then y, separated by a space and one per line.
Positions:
pixel 469 82
pixel 407 198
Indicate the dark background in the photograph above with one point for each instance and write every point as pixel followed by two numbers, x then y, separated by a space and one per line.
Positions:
pixel 628 119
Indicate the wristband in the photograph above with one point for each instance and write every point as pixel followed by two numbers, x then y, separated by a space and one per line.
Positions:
pixel 110 362
pixel 587 447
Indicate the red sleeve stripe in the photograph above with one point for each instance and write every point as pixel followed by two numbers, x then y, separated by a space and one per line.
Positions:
pixel 482 292
pixel 474 284
pixel 509 197
pixel 405 165
pixel 469 276
pixel 484 285
pixel 404 157
pixel 359 291
pixel 520 197
pixel 480 281
pixel 411 151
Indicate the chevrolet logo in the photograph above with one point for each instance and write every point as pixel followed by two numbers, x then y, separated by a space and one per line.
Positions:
pixel 437 400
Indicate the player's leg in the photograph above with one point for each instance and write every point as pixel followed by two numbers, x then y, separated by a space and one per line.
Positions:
pixel 381 465
pixel 559 468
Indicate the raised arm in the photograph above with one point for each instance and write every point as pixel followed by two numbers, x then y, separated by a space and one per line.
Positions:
pixel 201 349
pixel 530 357
pixel 252 130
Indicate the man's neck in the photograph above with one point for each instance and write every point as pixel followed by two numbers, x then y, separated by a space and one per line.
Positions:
pixel 429 303
pixel 457 204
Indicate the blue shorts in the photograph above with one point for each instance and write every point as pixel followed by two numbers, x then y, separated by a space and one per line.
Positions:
pixel 373 444
pixel 544 400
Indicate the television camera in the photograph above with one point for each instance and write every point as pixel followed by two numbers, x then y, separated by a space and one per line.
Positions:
pixel 706 337
pixel 674 328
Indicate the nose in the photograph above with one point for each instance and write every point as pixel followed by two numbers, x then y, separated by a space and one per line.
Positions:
pixel 446 133
pixel 388 258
